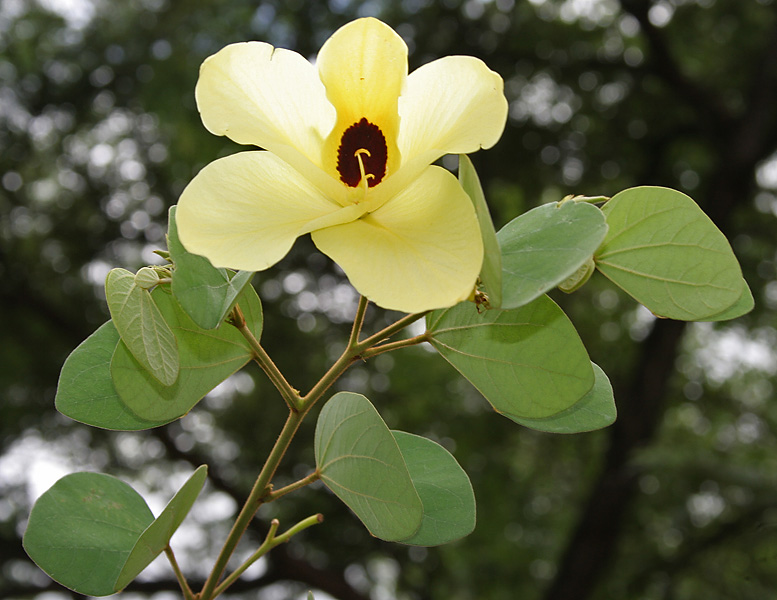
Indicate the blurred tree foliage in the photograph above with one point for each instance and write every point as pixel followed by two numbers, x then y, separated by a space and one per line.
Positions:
pixel 98 135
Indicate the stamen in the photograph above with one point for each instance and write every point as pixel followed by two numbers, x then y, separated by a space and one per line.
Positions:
pixel 365 177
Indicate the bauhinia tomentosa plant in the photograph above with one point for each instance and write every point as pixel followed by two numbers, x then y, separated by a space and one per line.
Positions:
pixel 348 150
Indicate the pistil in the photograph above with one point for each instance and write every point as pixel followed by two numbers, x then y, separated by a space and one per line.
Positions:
pixel 365 177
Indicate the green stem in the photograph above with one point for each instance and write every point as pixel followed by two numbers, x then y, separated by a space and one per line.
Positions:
pixel 299 407
pixel 338 368
pixel 187 591
pixel 275 494
pixel 358 321
pixel 352 353
pixel 392 329
pixel 289 394
pixel 388 347
pixel 269 543
pixel 255 499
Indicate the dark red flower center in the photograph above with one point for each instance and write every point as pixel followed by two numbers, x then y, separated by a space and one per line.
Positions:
pixel 362 151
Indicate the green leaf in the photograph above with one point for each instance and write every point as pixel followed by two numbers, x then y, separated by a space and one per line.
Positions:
pixel 251 307
pixel 157 536
pixel 83 528
pixel 545 246
pixel 491 271
pixel 527 362
pixel 593 411
pixel 208 357
pixel 85 391
pixel 668 255
pixel 206 293
pixel 360 461
pixel 741 307
pixel 444 488
pixel 141 326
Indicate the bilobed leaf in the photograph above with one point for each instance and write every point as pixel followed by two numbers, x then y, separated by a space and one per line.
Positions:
pixel 141 326
pixel 207 358
pixel 545 246
pixel 527 362
pixel 593 411
pixel 667 254
pixel 206 293
pixel 360 461
pixel 157 536
pixel 491 271
pixel 85 391
pixel 83 528
pixel 444 488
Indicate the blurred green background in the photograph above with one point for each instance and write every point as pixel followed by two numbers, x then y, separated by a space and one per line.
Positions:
pixel 678 500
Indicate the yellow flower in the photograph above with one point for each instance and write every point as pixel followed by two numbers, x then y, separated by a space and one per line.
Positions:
pixel 348 145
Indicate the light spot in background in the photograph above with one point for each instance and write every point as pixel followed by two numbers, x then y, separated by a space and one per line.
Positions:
pixel 542 100
pixel 592 12
pixel 77 13
pixel 35 461
pixel 734 350
pixel 766 173
pixel 356 576
pixel 12 181
pixel 706 505
pixel 611 93
pixel 660 14
pixel 95 273
pixel 418 328
pixel 294 283
pixel 640 323
pixel 384 573
pixel 628 25
pixel 542 569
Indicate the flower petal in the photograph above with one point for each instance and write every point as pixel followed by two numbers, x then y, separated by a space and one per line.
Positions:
pixel 453 105
pixel 244 211
pixel 421 250
pixel 269 97
pixel 363 66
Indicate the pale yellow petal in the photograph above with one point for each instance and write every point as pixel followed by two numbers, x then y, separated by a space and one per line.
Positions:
pixel 453 105
pixel 269 97
pixel 363 66
pixel 421 250
pixel 244 211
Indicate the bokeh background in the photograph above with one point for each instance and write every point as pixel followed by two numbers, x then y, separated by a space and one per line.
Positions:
pixel 678 500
